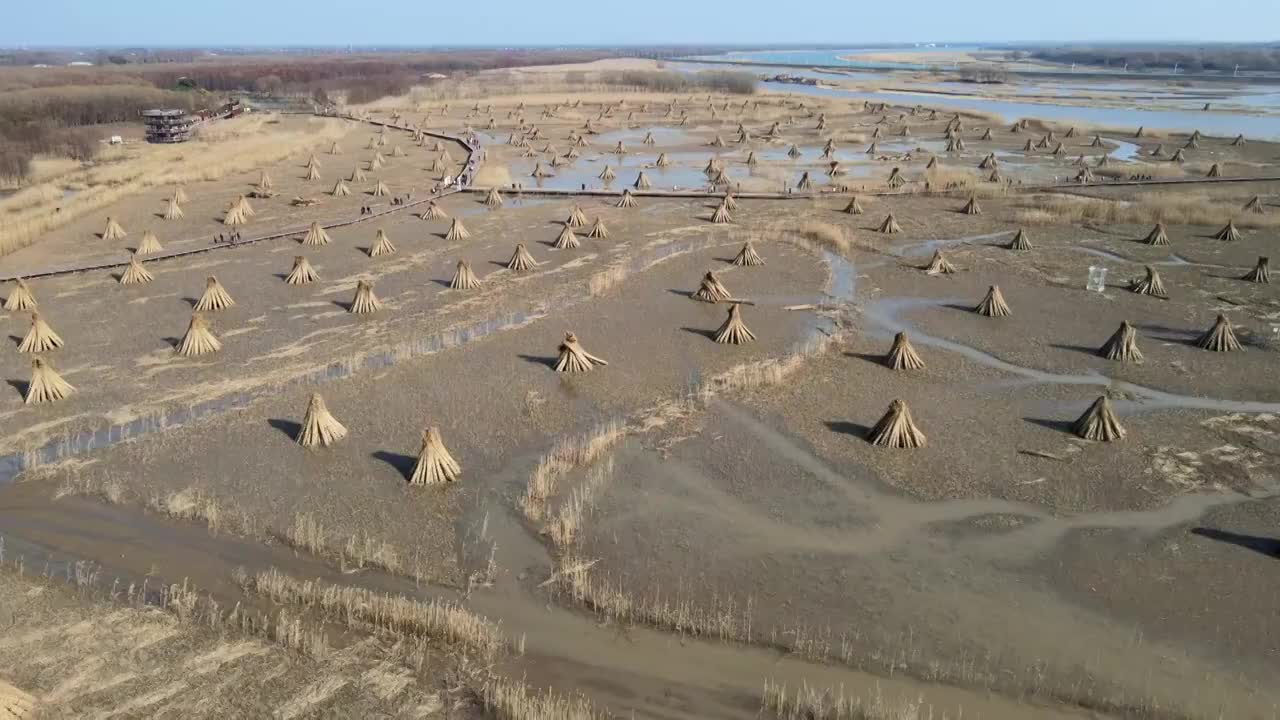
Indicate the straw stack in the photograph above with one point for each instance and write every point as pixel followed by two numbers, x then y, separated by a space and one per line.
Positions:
pixel 302 272
pixel 365 302
pixel 40 338
pixel 46 384
pixel 198 339
pixel 896 429
pixel 993 304
pixel 573 358
pixel 734 331
pixel 319 427
pixel 1099 423
pixel 215 296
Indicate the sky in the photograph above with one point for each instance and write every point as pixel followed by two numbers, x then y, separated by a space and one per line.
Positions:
pixel 620 22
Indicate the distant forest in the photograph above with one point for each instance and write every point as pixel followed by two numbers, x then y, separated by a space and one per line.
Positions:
pixel 1207 59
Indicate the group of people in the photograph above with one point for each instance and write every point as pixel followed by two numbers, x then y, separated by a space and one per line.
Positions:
pixel 231 237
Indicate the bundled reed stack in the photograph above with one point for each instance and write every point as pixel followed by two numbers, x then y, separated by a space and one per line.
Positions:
pixel 215 296
pixel 539 172
pixel 435 465
pixel 576 218
pixel 566 240
pixel 805 184
pixel 236 214
pixel 627 200
pixel 397 151
pixel 573 358
pixel 433 212
pixel 264 181
pixel 377 162
pixel 358 175
pixel 902 356
pixel 598 230
pixel 381 245
pixel 364 302
pixel 853 208
pixel 46 384
pixel 464 278
pixel 896 429
pixel 1020 241
pixel 493 199
pixel 896 180
pixel 150 244
pixel 113 231
pixel 648 139
pixel 729 202
pixel 20 297
pixel 315 235
pixel 793 152
pixel 662 161
pixel 939 265
pixel 1179 157
pixel 1221 337
pixel 335 149
pixel 1228 233
pixel 381 189
pixel 1238 142
pixel 1149 285
pixel 721 215
pixel 198 340
pixel 1157 151
pixel 40 338
pixel 302 272
pixel 747 256
pixel 173 211
pixel 712 290
pixel 521 260
pixel 1254 206
pixel 1122 346
pixel 642 182
pixel 457 231
pixel 180 195
pixel 734 331
pixel 1099 423
pixel 993 305
pixel 1159 235
pixel 1214 171
pixel 972 207
pixel 889 226
pixel 340 189
pixel 319 427
pixel 989 162
pixel 606 174
pixel 135 274
pixel 1261 273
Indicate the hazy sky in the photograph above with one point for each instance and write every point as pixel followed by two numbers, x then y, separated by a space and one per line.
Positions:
pixel 579 22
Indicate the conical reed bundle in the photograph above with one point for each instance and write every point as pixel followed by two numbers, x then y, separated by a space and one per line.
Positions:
pixel 340 189
pixel 1261 273
pixel 381 245
pixel 1228 233
pixel 135 274
pixel 302 272
pixel 1020 241
pixel 972 207
pixel 1255 206
pixel 381 189
pixel 316 235
pixel 606 174
pixel 457 231
pixel 598 230
pixel 365 301
pixel 566 240
pixel 215 296
pixel 493 199
pixel 627 200
pixel 1158 235
pixel 734 331
pixel 264 180
pixel 521 260
pixel 435 465
pixel 20 297
pixel 662 161
pixel 1122 345
pixel 319 427
pixel 198 339
pixel 896 429
pixel 577 218
pixel 902 356
pixel 150 244
pixel 805 183
pixel 729 201
pixel 46 384
pixel 573 358
pixel 890 225
pixel 40 338
pixel 180 195
pixel 433 212
pixel 173 211
pixel 1221 337
pixel 464 278
pixel 711 289
pixel 1099 423
pixel 993 305
pixel 1149 285
pixel 642 182
pixel 358 175
pixel 747 256
pixel 113 231
pixel 721 215
pixel 854 207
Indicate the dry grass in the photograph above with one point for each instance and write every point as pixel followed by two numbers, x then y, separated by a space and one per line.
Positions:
pixel 238 146
pixel 1153 170
pixel 396 615
pixel 514 700
pixel 567 454
pixel 190 504
pixel 358 552
pixel 767 372
pixel 810 703
pixel 567 520
pixel 601 282
pixel 1174 208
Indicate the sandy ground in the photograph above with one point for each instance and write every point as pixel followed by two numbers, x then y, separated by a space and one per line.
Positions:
pixel 970 561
